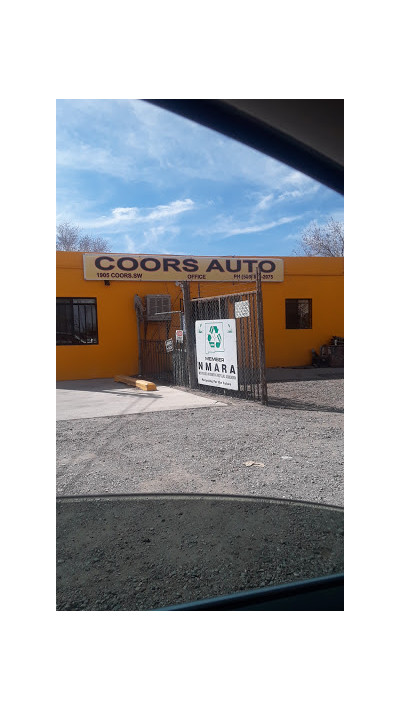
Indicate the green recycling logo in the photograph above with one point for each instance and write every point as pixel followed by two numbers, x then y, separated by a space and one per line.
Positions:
pixel 214 340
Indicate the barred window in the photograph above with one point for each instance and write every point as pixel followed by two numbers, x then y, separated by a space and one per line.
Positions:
pixel 298 313
pixel 76 321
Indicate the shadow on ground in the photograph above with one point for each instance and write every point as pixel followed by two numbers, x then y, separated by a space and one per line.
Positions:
pixel 142 552
pixel 288 404
pixel 102 385
pixel 289 375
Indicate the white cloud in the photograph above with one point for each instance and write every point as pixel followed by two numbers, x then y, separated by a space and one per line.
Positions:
pixel 306 189
pixel 227 228
pixel 155 240
pixel 289 194
pixel 263 228
pixel 265 202
pixel 130 244
pixel 83 157
pixel 134 141
pixel 297 179
pixel 174 208
pixel 298 194
pixel 136 215
pixel 124 213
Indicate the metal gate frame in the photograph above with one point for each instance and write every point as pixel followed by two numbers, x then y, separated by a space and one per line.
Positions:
pixel 178 367
pixel 250 340
pixel 156 362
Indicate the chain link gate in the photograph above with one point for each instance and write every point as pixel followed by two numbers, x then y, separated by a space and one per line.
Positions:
pixel 161 356
pixel 165 359
pixel 244 309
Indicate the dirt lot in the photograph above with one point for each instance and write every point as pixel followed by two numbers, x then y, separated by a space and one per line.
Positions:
pixel 298 439
pixel 117 553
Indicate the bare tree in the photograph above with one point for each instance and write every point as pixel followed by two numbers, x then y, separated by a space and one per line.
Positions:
pixel 69 238
pixel 85 244
pixel 99 245
pixel 322 240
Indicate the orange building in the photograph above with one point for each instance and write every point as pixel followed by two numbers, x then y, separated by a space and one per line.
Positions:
pixel 97 327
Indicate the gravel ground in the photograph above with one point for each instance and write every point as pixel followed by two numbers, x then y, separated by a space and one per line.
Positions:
pixel 298 439
pixel 143 552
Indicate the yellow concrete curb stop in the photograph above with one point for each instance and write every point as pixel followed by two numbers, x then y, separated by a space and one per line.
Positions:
pixel 135 382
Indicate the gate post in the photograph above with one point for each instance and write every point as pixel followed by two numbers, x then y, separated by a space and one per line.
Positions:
pixel 190 334
pixel 260 335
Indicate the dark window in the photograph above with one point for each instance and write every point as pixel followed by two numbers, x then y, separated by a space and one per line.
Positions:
pixel 76 322
pixel 298 313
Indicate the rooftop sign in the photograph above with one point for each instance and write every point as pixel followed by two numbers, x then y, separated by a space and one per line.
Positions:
pixel 158 267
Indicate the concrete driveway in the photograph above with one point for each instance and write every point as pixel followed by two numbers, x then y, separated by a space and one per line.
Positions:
pixel 77 399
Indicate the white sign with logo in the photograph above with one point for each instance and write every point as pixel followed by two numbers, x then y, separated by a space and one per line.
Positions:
pixel 169 345
pixel 217 353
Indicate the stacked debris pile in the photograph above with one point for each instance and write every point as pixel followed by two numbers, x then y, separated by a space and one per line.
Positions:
pixel 331 355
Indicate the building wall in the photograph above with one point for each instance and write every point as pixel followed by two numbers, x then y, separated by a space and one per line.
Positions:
pixel 316 278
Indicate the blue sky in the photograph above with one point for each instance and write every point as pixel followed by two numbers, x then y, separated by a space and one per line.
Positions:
pixel 151 182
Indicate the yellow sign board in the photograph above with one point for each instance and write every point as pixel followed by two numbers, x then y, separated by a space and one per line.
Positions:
pixel 159 267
